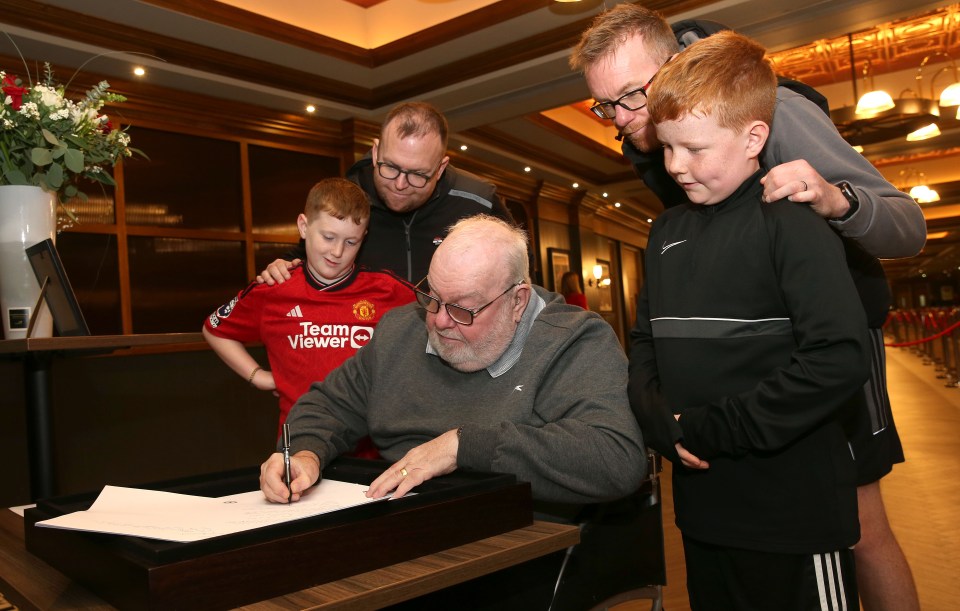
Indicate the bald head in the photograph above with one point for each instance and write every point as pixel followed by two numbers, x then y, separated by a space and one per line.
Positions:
pixel 485 249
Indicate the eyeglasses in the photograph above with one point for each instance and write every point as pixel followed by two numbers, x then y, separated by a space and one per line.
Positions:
pixel 631 100
pixel 415 178
pixel 459 314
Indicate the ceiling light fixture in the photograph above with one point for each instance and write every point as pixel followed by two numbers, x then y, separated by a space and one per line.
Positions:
pixel 311 108
pixel 905 116
pixel 924 133
pixel 924 194
pixel 950 96
pixel 875 100
pixel 915 181
pixel 139 71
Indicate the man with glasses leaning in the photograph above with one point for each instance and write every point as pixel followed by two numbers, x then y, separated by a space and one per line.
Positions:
pixel 415 194
pixel 806 161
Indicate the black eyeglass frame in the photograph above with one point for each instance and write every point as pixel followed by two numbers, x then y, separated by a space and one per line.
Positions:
pixel 409 173
pixel 432 305
pixel 598 108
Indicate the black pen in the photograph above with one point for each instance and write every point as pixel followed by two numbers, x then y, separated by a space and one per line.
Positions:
pixel 286 459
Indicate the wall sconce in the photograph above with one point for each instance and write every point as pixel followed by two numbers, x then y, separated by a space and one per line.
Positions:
pixel 597 273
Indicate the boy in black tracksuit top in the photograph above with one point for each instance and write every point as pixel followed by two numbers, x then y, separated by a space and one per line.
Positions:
pixel 749 340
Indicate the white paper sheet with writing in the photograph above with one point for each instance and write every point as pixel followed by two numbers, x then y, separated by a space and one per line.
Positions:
pixel 181 517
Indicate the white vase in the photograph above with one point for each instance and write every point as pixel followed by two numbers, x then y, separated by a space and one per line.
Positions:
pixel 28 215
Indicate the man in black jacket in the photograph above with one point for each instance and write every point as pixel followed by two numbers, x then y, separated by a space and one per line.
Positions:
pixel 415 194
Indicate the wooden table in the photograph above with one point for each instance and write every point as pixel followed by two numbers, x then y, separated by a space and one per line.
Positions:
pixel 28 582
pixel 37 354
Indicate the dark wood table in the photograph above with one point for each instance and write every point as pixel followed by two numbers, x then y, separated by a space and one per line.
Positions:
pixel 37 355
pixel 30 583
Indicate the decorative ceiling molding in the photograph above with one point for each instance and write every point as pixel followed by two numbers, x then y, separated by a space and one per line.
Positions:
pixel 890 47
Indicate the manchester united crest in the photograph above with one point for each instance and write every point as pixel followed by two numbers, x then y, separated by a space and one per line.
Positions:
pixel 364 310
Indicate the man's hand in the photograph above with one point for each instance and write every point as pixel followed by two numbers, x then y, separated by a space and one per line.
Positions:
pixel 304 471
pixel 797 181
pixel 436 457
pixel 277 272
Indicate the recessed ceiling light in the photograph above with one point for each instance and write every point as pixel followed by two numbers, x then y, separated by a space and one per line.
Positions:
pixel 649 220
pixel 311 108
pixel 576 185
pixel 604 193
pixel 616 204
pixel 526 169
pixel 463 147
pixel 139 71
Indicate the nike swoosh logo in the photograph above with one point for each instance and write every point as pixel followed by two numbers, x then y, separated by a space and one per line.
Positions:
pixel 667 247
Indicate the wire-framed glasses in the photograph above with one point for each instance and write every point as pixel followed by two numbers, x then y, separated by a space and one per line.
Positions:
pixel 459 314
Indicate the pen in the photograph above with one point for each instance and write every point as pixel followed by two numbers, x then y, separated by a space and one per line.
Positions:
pixel 286 459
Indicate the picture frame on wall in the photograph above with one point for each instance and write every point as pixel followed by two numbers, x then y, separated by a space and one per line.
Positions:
pixel 558 262
pixel 603 287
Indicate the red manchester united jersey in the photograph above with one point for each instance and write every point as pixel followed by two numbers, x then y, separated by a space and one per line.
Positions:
pixel 307 327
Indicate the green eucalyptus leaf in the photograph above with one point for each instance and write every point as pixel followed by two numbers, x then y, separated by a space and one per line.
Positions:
pixel 55 176
pixel 49 137
pixel 41 156
pixel 15 177
pixel 70 191
pixel 73 159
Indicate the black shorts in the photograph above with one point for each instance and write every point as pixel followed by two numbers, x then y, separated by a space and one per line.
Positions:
pixel 870 428
pixel 723 578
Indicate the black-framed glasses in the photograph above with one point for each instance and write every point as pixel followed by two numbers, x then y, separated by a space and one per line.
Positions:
pixel 416 178
pixel 632 100
pixel 459 314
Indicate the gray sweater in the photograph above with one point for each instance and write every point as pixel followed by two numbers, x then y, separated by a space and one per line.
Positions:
pixel 557 417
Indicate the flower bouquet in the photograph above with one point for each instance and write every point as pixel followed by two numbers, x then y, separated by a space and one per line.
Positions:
pixel 49 141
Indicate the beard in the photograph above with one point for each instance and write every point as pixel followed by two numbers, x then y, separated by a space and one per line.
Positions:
pixel 644 140
pixel 467 356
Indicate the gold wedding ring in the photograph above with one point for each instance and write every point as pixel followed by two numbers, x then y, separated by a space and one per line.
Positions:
pixel 403 472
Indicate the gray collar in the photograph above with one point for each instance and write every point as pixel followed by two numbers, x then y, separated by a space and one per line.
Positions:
pixel 512 354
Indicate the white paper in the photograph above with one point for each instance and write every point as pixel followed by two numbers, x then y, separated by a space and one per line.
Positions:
pixel 20 509
pixel 181 517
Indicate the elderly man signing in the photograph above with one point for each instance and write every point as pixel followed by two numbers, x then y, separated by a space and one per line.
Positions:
pixel 486 372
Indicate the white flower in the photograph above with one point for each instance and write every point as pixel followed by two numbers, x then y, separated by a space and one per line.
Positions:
pixel 49 96
pixel 30 110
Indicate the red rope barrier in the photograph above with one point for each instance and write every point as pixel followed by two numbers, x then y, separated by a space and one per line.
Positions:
pixel 924 339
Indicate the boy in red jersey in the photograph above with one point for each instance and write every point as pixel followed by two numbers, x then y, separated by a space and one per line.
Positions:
pixel 328 310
